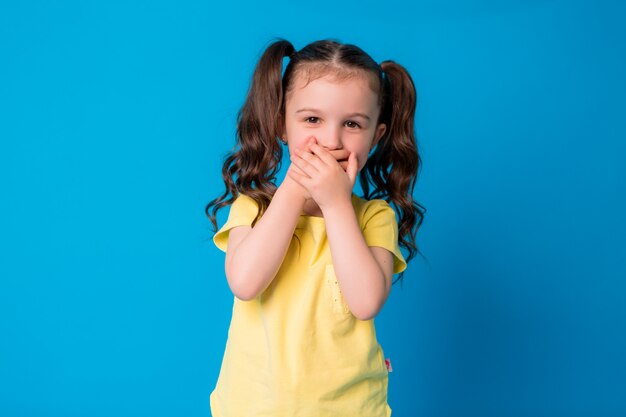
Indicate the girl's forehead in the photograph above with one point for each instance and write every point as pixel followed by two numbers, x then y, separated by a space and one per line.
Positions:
pixel 308 73
pixel 303 80
pixel 333 96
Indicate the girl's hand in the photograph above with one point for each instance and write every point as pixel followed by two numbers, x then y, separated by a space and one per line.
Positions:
pixel 295 187
pixel 322 176
pixel 292 185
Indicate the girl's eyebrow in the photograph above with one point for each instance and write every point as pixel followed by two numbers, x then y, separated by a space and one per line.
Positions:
pixel 363 115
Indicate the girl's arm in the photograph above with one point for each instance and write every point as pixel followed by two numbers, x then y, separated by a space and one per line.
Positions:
pixel 254 255
pixel 364 272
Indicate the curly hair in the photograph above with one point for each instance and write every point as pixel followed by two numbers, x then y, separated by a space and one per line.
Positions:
pixel 391 169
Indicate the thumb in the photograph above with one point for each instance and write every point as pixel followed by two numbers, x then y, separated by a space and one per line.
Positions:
pixel 353 165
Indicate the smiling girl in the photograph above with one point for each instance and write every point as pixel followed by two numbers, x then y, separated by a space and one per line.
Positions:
pixel 310 263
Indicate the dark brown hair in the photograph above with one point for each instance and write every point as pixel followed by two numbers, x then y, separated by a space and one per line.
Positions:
pixel 393 165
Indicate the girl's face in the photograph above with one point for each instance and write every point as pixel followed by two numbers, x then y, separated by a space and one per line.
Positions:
pixel 339 114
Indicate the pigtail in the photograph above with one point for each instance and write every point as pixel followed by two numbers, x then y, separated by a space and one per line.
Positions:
pixel 251 168
pixel 393 166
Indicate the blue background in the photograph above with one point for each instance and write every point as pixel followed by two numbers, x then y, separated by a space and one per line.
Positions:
pixel 115 117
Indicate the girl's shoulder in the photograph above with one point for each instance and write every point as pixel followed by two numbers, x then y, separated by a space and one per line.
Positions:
pixel 244 203
pixel 366 209
pixel 379 224
pixel 244 199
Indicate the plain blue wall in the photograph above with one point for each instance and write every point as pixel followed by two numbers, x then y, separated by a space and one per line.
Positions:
pixel 115 117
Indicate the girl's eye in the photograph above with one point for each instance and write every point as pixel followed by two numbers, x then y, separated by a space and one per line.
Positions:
pixel 350 123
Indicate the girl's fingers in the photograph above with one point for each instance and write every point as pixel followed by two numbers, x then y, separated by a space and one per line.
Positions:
pixel 301 179
pixel 353 166
pixel 340 154
pixel 306 162
pixel 323 154
pixel 295 175
pixel 297 169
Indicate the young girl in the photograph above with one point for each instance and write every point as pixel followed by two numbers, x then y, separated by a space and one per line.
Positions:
pixel 310 263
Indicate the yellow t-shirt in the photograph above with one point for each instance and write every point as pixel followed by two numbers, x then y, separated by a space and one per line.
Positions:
pixel 296 349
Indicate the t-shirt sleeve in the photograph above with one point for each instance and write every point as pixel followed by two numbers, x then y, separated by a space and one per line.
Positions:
pixel 243 211
pixel 380 228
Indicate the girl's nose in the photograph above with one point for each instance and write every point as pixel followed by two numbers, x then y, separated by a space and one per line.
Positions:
pixel 331 139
